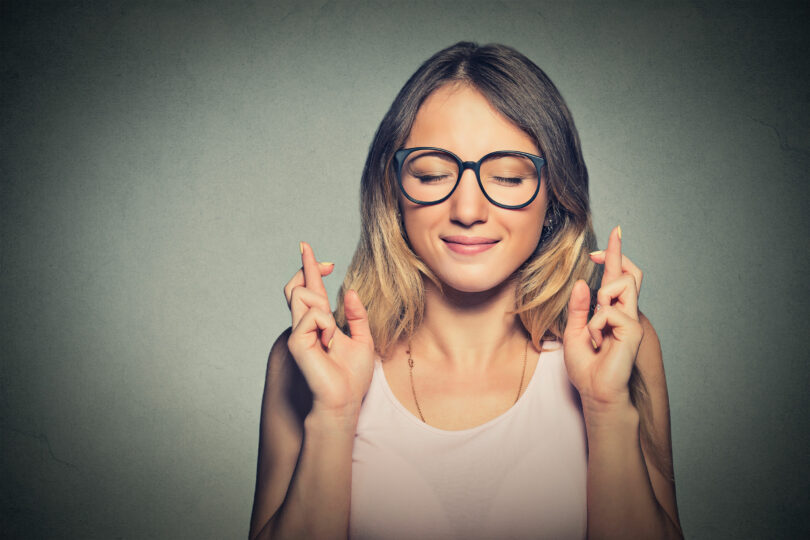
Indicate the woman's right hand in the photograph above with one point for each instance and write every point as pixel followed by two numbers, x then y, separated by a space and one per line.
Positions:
pixel 337 367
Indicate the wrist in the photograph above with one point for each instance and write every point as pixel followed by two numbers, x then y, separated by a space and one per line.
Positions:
pixel 331 421
pixel 609 414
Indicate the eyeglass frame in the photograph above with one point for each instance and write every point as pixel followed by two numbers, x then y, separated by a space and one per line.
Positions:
pixel 401 154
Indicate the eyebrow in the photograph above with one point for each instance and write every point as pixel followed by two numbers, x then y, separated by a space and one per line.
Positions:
pixel 438 153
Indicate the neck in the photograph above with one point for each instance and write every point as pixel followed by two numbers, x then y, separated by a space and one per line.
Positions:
pixel 469 332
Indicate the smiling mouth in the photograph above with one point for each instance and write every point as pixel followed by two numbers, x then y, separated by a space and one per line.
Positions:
pixel 468 245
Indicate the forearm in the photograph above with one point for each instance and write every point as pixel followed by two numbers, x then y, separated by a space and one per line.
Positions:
pixel 317 502
pixel 621 500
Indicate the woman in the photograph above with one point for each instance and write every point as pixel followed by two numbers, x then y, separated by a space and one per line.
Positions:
pixel 467 385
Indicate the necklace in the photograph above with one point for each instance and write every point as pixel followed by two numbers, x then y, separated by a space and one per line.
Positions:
pixel 413 390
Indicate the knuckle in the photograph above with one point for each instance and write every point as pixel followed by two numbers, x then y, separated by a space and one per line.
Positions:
pixel 292 341
pixel 324 314
pixel 296 292
pixel 292 282
pixel 323 303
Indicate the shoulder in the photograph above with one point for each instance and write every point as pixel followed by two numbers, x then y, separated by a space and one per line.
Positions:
pixel 279 352
pixel 286 389
pixel 649 359
pixel 650 364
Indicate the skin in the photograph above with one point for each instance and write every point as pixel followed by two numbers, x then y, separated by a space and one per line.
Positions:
pixel 466 351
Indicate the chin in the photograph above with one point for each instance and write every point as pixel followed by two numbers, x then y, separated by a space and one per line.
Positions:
pixel 474 285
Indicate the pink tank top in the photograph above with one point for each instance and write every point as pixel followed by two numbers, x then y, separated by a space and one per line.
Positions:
pixel 520 475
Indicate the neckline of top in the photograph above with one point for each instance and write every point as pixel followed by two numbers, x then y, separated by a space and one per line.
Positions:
pixel 467 431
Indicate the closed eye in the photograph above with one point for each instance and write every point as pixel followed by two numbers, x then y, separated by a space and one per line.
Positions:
pixel 432 179
pixel 510 181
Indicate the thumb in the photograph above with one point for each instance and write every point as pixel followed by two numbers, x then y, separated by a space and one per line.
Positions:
pixel 356 317
pixel 578 306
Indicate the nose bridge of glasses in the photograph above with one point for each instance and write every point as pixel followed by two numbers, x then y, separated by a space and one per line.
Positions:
pixel 476 184
pixel 472 165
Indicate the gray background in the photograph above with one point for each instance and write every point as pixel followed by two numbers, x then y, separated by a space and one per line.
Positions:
pixel 161 161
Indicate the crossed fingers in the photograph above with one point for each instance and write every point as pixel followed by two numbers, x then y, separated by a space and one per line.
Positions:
pixel 617 298
pixel 306 296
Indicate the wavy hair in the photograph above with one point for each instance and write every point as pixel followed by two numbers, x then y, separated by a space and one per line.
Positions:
pixel 386 273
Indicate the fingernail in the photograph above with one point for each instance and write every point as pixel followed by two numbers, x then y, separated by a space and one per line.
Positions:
pixel 329 345
pixel 327 263
pixel 598 252
pixel 301 247
pixel 619 227
pixel 592 343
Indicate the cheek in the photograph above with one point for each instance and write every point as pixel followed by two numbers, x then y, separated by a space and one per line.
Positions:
pixel 531 229
pixel 415 219
pixel 414 223
pixel 532 232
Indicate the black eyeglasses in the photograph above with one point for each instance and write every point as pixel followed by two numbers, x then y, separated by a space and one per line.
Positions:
pixel 509 179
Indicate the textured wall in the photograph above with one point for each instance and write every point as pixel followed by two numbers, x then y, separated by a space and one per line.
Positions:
pixel 160 162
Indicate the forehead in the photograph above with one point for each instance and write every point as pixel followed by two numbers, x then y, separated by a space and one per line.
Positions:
pixel 457 117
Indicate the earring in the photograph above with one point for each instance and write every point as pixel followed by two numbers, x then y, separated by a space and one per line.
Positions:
pixel 402 225
pixel 548 229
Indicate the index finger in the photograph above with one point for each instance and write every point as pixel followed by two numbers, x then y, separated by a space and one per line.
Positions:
pixel 312 274
pixel 613 256
pixel 298 278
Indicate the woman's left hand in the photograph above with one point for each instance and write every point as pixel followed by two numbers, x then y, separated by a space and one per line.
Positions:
pixel 600 353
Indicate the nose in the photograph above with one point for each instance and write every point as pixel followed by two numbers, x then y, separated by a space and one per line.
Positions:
pixel 468 205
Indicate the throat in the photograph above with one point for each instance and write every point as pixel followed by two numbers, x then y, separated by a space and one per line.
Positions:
pixel 466 397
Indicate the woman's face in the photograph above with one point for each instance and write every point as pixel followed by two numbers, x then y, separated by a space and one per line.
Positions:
pixel 458 118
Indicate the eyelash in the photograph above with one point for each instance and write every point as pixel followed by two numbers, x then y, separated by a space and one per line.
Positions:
pixel 429 179
pixel 511 180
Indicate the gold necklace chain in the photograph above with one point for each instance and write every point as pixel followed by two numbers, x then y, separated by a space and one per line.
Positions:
pixel 413 390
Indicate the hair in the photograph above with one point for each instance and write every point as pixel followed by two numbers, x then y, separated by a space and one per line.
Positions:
pixel 389 277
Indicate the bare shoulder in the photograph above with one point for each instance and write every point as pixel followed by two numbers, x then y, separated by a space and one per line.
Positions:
pixel 658 459
pixel 650 363
pixel 650 360
pixel 286 391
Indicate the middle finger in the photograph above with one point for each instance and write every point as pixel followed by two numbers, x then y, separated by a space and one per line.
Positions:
pixel 312 276
pixel 302 299
pixel 298 278
pixel 628 267
pixel 613 256
pixel 623 290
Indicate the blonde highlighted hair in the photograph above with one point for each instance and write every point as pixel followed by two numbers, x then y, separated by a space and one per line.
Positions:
pixel 389 277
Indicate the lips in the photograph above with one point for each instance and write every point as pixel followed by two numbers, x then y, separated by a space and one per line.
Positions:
pixel 468 240
pixel 468 245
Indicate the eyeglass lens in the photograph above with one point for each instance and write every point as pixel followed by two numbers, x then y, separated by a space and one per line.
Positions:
pixel 508 179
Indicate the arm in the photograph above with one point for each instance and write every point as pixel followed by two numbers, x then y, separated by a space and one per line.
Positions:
pixel 280 435
pixel 316 379
pixel 629 496
pixel 631 493
pixel 303 477
pixel 662 475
